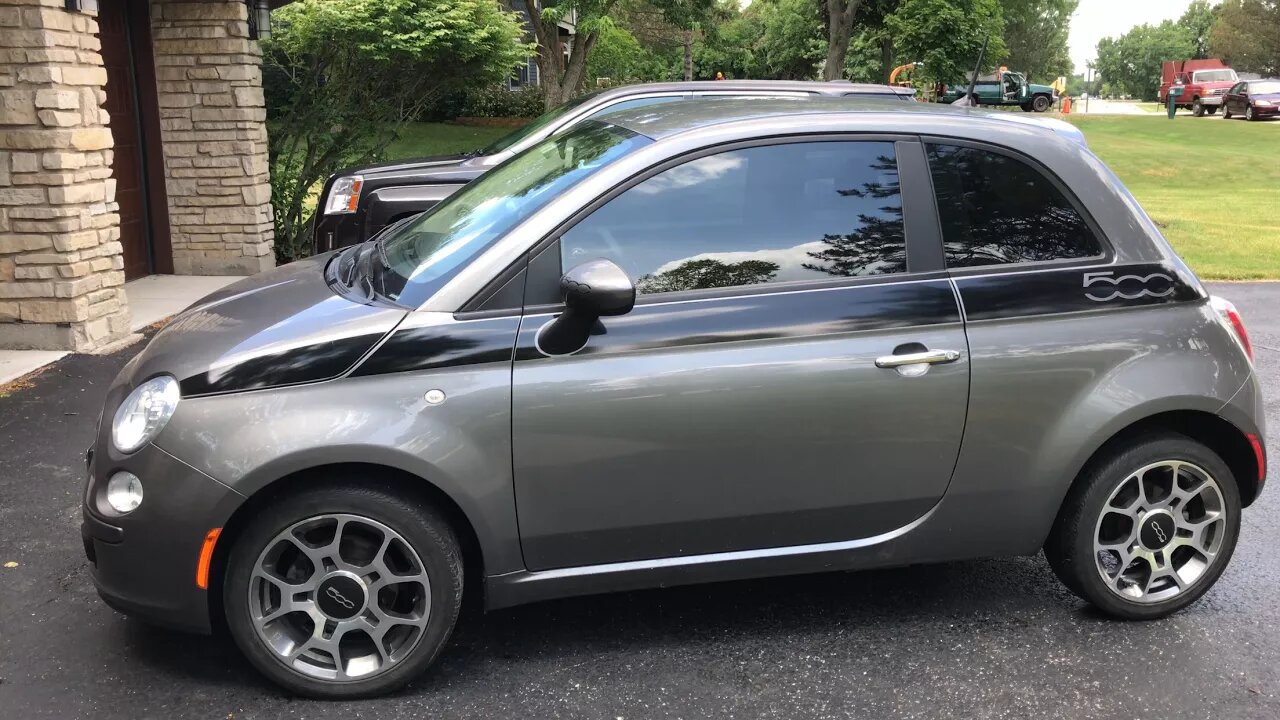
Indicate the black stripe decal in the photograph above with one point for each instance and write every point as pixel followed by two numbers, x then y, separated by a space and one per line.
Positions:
pixel 766 316
pixel 432 347
pixel 1052 292
pixel 309 363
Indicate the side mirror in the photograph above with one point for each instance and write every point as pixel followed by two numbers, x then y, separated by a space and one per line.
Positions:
pixel 599 288
pixel 592 290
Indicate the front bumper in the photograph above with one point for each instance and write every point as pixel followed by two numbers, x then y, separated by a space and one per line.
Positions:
pixel 144 563
pixel 1211 100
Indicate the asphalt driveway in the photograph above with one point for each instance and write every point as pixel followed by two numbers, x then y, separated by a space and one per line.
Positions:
pixel 982 639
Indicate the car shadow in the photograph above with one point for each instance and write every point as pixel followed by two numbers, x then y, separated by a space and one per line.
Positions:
pixel 773 612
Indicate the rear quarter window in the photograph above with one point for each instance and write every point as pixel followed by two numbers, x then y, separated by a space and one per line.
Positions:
pixel 998 210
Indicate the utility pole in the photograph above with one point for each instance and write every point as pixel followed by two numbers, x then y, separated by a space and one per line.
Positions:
pixel 1088 85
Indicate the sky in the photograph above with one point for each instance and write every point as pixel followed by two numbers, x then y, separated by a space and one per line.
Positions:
pixel 1096 19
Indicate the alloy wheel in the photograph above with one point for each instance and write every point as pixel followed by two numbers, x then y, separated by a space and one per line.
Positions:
pixel 1160 530
pixel 339 597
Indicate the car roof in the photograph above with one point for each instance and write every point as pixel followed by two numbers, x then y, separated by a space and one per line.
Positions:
pixel 659 121
pixel 834 87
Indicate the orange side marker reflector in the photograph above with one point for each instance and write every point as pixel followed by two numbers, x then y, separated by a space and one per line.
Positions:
pixel 206 557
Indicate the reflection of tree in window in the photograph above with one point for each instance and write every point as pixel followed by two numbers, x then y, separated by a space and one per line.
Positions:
pixel 995 209
pixel 879 244
pixel 708 273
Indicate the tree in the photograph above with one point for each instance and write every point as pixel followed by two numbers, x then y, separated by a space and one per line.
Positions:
pixel 948 34
pixel 838 16
pixel 342 78
pixel 1130 64
pixel 729 46
pixel 1247 36
pixel 562 78
pixel 705 273
pixel 1035 32
pixel 791 46
pixel 1199 20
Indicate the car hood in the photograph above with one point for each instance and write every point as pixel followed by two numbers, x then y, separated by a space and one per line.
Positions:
pixel 280 327
pixel 1270 97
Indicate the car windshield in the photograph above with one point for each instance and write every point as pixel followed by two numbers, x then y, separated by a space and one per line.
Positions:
pixel 1227 75
pixel 538 124
pixel 424 254
pixel 1265 88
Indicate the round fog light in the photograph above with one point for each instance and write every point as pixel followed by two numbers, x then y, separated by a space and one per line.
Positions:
pixel 124 492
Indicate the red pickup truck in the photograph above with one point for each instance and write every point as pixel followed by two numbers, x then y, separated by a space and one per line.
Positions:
pixel 1203 82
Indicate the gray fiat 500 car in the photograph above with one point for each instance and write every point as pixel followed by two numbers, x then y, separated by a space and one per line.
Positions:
pixel 694 342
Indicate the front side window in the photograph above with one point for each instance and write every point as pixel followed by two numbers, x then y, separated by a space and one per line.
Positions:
pixel 421 256
pixel 995 209
pixel 773 214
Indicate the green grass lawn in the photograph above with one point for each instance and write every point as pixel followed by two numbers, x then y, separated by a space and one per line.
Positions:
pixel 1218 203
pixel 424 139
pixel 1212 185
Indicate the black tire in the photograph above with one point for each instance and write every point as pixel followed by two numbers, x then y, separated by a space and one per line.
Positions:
pixel 1249 115
pixel 1197 108
pixel 1211 109
pixel 1070 550
pixel 1026 107
pixel 1226 112
pixel 424 529
pixel 1040 103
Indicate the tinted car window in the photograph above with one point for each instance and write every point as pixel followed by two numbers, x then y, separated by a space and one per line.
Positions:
pixel 996 209
pixel 781 213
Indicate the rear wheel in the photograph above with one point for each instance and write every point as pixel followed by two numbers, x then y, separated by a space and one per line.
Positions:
pixel 1040 103
pixel 343 592
pixel 1149 529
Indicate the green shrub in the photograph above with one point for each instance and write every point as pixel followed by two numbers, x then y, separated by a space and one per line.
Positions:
pixel 499 102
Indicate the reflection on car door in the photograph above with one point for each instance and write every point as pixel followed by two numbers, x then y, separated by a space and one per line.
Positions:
pixel 740 404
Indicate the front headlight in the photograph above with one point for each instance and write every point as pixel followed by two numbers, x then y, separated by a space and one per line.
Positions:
pixel 344 195
pixel 1263 103
pixel 144 413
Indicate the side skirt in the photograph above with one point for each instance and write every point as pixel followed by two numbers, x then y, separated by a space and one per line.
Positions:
pixel 525 586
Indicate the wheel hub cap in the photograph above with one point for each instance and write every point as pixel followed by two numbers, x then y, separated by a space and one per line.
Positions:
pixel 1157 531
pixel 1161 529
pixel 341 596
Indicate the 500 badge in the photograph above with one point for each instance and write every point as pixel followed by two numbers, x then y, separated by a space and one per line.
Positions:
pixel 1127 287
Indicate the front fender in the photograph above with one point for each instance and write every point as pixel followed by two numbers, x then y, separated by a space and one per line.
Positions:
pixel 461 446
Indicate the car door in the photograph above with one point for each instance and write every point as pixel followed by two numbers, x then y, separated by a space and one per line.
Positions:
pixel 793 373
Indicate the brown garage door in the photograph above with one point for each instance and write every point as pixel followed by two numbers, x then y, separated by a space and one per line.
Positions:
pixel 123 27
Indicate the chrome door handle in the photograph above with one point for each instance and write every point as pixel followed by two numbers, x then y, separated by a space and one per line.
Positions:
pixel 929 357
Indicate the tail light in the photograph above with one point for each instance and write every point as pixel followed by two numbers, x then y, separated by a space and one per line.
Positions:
pixel 1231 316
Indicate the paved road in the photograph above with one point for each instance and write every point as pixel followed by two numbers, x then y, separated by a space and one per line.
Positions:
pixel 983 639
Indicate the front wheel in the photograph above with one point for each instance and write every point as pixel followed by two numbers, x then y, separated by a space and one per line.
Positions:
pixel 343 591
pixel 1026 107
pixel 1197 108
pixel 1211 109
pixel 1226 112
pixel 1248 113
pixel 1147 530
pixel 1040 103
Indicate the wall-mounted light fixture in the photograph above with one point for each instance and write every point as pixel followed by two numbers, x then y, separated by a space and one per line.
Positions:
pixel 81 5
pixel 259 18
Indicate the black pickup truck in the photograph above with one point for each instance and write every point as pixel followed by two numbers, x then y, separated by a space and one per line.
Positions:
pixel 357 202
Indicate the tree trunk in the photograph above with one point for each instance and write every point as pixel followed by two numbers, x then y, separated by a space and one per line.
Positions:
pixel 886 57
pixel 840 14
pixel 688 54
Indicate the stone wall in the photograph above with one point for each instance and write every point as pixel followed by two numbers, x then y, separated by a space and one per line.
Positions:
pixel 61 273
pixel 213 125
